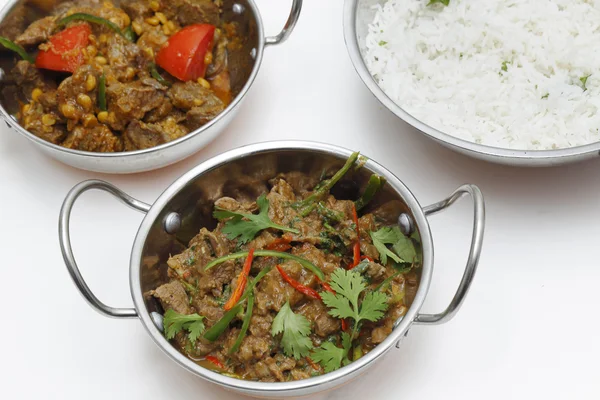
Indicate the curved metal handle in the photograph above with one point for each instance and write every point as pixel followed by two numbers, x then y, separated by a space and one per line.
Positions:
pixel 474 252
pixel 67 252
pixel 289 25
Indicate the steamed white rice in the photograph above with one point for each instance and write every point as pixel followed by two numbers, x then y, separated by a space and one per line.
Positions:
pixel 504 73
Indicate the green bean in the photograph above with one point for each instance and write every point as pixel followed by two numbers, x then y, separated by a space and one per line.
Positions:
pixel 217 329
pixel 269 253
pixel 306 206
pixel 375 183
pixel 245 324
pixel 12 46
pixel 94 19
pixel 157 76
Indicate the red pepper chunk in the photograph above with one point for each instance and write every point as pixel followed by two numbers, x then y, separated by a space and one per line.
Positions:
pixel 183 54
pixel 241 283
pixel 280 244
pixel 64 51
pixel 298 286
pixel 214 360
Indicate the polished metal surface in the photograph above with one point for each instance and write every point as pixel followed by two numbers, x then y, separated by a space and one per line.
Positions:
pixel 64 236
pixel 474 251
pixel 406 224
pixel 358 14
pixel 172 222
pixel 244 66
pixel 245 172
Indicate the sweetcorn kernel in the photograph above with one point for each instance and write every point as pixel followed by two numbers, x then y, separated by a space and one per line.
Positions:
pixel 154 5
pixel 101 60
pixel 171 26
pixel 208 58
pixel 92 51
pixel 103 116
pixel 126 19
pixel 149 52
pixel 89 120
pixel 69 111
pixel 48 119
pixel 204 83
pixel 152 21
pixel 26 108
pixel 90 83
pixel 161 17
pixel 84 101
pixel 166 30
pixel 36 93
pixel 137 28
pixel 198 102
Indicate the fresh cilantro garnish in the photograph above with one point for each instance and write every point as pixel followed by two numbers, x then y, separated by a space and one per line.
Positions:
pixel 444 2
pixel 404 248
pixel 382 42
pixel 348 285
pixel 246 226
pixel 545 96
pixel 583 81
pixel 174 323
pixel 295 328
pixel 332 357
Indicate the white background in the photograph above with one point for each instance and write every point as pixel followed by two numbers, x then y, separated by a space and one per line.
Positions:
pixel 528 329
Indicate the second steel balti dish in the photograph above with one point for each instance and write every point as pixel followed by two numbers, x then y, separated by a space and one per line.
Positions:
pixel 292 284
pixel 101 78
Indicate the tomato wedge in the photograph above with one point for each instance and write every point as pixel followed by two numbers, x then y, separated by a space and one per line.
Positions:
pixel 183 54
pixel 64 52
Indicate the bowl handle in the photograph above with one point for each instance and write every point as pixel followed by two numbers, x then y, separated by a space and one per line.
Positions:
pixel 474 252
pixel 289 25
pixel 67 252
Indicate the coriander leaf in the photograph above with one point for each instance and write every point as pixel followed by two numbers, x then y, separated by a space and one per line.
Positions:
pixel 174 323
pixel 329 356
pixel 332 357
pixel 583 81
pixel 386 235
pixel 382 42
pixel 348 286
pixel 246 226
pixel 295 328
pixel 373 306
pixel 405 249
pixel 444 2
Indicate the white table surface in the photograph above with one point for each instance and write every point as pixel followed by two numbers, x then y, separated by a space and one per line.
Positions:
pixel 528 329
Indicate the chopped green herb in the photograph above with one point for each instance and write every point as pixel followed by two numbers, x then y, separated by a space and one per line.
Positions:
pixel 174 323
pixel 156 75
pixel 404 248
pixel 96 20
pixel 382 42
pixel 504 66
pixel 246 226
pixel 102 92
pixel 332 357
pixel 296 330
pixel 583 81
pixel 444 2
pixel 245 324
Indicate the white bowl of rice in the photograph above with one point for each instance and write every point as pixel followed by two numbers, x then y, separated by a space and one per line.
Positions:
pixel 509 81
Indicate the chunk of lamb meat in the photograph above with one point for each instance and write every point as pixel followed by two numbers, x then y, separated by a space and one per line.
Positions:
pixel 97 139
pixel 188 12
pixel 38 32
pixel 122 56
pixel 131 101
pixel 140 135
pixel 27 77
pixel 137 8
pixel 32 121
pixel 72 87
pixel 192 94
pixel 172 295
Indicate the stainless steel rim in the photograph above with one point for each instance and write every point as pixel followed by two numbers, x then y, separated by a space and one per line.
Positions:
pixel 296 387
pixel 497 153
pixel 130 154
